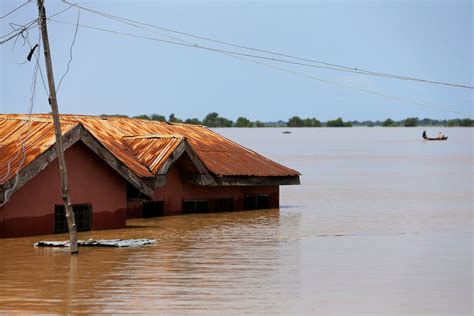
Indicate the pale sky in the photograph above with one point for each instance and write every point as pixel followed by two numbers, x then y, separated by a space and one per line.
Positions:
pixel 116 74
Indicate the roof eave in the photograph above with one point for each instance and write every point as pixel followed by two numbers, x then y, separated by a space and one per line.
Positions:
pixel 160 177
pixel 37 165
pixel 2 194
pixel 98 148
pixel 210 180
pixel 79 132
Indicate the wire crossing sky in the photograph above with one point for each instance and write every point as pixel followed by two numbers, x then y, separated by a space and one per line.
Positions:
pixel 331 66
pixel 110 74
pixel 243 57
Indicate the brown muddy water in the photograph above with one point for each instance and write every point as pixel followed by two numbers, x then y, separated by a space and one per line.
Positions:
pixel 381 224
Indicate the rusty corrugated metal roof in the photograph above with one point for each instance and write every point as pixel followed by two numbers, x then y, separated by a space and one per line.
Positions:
pixel 153 151
pixel 35 136
pixel 141 145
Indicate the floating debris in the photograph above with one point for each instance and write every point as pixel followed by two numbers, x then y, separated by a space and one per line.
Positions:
pixel 98 243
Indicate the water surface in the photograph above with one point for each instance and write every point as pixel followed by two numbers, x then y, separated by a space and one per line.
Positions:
pixel 381 224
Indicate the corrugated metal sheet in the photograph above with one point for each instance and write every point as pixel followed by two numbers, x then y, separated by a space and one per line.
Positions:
pixel 140 144
pixel 153 152
pixel 112 139
pixel 34 136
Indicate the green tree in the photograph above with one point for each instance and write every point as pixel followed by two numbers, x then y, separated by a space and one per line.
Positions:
pixel 259 124
pixel 223 122
pixel 307 122
pixel 142 117
pixel 174 119
pixel 335 123
pixel 211 119
pixel 466 122
pixel 452 123
pixel 311 122
pixel 389 123
pixel 157 117
pixel 214 120
pixel 295 121
pixel 243 122
pixel 194 121
pixel 410 122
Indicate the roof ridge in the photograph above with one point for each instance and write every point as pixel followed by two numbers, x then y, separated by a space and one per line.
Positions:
pixel 151 136
pixel 33 118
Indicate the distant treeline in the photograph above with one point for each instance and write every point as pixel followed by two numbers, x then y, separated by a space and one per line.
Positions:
pixel 214 120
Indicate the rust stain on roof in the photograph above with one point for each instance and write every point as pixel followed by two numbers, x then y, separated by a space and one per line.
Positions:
pixel 143 146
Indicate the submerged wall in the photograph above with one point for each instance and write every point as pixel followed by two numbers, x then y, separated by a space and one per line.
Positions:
pixel 175 191
pixel 30 210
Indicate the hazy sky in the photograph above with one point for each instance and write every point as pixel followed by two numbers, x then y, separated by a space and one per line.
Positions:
pixel 113 73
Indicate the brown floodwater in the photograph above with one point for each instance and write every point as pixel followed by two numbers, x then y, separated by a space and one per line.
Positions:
pixel 381 224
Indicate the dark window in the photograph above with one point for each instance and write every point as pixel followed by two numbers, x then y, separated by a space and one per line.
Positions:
pixel 256 202
pixel 133 193
pixel 224 205
pixel 195 206
pixel 82 214
pixel 153 209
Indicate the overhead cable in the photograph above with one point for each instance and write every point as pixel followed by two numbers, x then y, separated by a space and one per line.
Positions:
pixel 330 66
pixel 27 26
pixel 70 51
pixel 7 14
pixel 22 150
pixel 238 55
pixel 19 31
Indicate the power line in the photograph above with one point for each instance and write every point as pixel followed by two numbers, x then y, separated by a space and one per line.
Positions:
pixel 23 31
pixel 247 55
pixel 355 88
pixel 37 57
pixel 238 55
pixel 70 51
pixel 19 27
pixel 28 26
pixel 330 66
pixel 19 31
pixel 22 150
pixel 21 6
pixel 25 37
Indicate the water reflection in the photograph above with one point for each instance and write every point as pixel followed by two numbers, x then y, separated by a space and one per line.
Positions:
pixel 229 259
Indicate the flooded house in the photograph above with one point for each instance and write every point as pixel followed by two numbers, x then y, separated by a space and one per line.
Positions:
pixel 123 168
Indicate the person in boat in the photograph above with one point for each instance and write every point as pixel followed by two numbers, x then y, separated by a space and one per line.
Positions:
pixel 424 135
pixel 440 135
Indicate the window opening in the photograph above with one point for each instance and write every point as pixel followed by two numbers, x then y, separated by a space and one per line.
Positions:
pixel 224 205
pixel 153 209
pixel 195 206
pixel 256 202
pixel 82 214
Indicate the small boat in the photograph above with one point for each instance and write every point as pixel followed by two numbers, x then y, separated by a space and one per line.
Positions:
pixel 286 132
pixel 433 138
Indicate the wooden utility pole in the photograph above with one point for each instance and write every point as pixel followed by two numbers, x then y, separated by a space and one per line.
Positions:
pixel 71 222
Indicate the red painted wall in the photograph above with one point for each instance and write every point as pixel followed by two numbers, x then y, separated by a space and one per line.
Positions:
pixel 30 210
pixel 176 190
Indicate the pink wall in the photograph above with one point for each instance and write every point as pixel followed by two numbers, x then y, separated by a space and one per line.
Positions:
pixel 176 190
pixel 30 210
